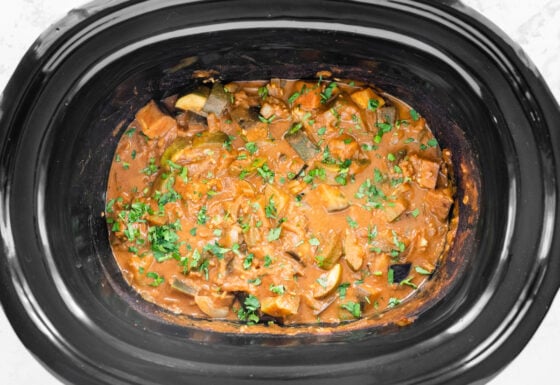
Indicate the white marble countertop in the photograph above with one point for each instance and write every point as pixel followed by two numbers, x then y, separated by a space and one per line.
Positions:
pixel 534 25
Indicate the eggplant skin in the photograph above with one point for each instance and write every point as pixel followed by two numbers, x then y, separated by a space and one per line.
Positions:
pixel 400 271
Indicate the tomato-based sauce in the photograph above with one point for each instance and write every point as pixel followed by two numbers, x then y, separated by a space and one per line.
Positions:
pixel 284 201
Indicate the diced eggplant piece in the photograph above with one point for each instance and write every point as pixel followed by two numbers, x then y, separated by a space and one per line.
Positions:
pixel 136 264
pixel 309 95
pixel 192 122
pixel 330 251
pixel 367 294
pixel 213 305
pixel 232 236
pixel 344 147
pixel 353 252
pixel 362 99
pixel 153 122
pixel 194 101
pixel 217 100
pixel 185 287
pixel 246 118
pixel 280 306
pixel 300 142
pixel 253 236
pixel 321 306
pixel 439 203
pixel 196 123
pixel 276 87
pixel 395 209
pixel 332 198
pixel 327 282
pixel 318 306
pixel 157 220
pixel 168 104
pixel 400 271
pixel 426 171
pixel 295 256
pixel 300 172
pixel 332 171
pixel 267 110
pixel 276 198
pixel 381 264
pixel 387 114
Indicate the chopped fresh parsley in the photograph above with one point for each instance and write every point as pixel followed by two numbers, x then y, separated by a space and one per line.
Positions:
pixel 151 168
pixel 353 307
pixel 328 91
pixel 315 173
pixel 157 279
pixel 251 147
pixel 342 289
pixel 266 173
pixel 421 270
pixel 249 309
pixel 351 222
pixel 293 97
pixel 247 261
pixel 432 142
pixel 267 120
pixel 270 208
pixel 267 260
pixel 391 276
pixel 164 241
pixel 397 242
pixel 408 282
pixel 373 104
pixel 263 92
pixel 378 176
pixel 274 234
pixel 295 128
pixel 313 241
pixel 393 302
pixel 216 249
pixel 111 203
pixel 202 217
pixel 414 115
pixel 374 195
pixel 277 289
pixel 255 281
pixel 372 233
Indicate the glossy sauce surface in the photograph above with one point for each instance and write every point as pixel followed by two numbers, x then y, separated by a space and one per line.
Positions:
pixel 281 201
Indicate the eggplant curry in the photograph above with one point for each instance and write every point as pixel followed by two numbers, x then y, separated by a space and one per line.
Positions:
pixel 289 202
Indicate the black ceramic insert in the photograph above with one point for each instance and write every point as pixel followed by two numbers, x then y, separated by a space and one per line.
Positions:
pixel 80 84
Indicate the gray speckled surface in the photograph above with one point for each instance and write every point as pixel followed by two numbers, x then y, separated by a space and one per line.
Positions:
pixel 534 25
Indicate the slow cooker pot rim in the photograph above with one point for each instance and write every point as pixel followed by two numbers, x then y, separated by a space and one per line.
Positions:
pixel 11 260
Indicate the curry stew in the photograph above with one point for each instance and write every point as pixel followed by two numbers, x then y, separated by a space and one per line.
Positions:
pixel 287 202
